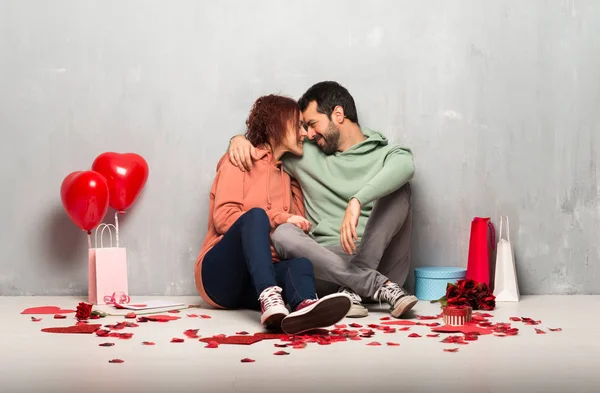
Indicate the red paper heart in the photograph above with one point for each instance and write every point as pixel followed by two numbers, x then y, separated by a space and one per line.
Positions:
pixel 271 336
pixel 466 329
pixel 126 175
pixel 191 333
pixel 85 329
pixel 46 310
pixel 161 318
pixel 398 323
pixel 241 340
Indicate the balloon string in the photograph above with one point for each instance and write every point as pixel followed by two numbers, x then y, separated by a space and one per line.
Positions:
pixel 117 227
pixel 89 240
pixel 117 224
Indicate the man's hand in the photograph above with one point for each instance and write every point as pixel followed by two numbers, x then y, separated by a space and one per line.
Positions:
pixel 300 222
pixel 241 152
pixel 348 230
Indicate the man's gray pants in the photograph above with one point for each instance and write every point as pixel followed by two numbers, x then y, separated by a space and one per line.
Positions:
pixel 383 253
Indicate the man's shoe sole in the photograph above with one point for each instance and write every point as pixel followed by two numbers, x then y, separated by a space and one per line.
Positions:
pixel 329 311
pixel 404 305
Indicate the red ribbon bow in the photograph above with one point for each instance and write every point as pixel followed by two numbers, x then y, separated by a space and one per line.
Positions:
pixel 122 298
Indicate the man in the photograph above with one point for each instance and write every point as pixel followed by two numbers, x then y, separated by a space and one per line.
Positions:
pixel 357 199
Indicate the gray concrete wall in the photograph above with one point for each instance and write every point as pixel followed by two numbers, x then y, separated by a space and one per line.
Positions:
pixel 498 99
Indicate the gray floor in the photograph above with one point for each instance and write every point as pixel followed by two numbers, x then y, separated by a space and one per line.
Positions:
pixel 564 361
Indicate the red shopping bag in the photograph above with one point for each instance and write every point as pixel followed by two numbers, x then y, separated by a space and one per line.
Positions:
pixel 481 244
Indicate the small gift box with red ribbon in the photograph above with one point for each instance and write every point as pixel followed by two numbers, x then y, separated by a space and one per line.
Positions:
pixel 457 315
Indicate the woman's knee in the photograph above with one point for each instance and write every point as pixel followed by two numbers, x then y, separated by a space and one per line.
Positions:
pixel 258 216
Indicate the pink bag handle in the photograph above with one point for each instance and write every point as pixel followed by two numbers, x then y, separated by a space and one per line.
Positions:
pixel 103 226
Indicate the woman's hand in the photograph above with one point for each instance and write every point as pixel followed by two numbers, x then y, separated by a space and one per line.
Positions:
pixel 300 222
pixel 241 152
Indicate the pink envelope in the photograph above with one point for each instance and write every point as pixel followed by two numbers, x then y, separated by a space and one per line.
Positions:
pixel 107 273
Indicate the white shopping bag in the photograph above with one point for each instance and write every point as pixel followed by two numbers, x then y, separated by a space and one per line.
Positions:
pixel 506 288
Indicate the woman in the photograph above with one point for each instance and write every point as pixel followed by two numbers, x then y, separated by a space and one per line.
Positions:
pixel 237 266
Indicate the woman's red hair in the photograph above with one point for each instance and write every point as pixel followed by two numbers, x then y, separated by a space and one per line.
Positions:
pixel 269 118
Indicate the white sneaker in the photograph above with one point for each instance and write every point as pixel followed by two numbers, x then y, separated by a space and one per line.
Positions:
pixel 357 310
pixel 317 314
pixel 398 298
pixel 272 307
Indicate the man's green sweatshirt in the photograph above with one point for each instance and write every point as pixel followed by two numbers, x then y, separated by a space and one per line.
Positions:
pixel 367 171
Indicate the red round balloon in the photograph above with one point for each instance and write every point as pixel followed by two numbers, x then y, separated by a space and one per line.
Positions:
pixel 126 175
pixel 84 195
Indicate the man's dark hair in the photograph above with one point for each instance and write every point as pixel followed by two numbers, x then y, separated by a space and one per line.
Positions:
pixel 328 95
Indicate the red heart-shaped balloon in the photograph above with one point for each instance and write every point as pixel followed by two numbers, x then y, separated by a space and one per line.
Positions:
pixel 126 175
pixel 84 195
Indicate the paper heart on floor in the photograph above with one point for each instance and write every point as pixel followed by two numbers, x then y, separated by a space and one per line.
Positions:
pixel 161 318
pixel 85 329
pixel 410 323
pixel 46 310
pixel 466 329
pixel 242 340
pixel 271 336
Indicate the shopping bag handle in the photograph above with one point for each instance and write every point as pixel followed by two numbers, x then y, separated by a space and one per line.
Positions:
pixel 103 226
pixel 507 228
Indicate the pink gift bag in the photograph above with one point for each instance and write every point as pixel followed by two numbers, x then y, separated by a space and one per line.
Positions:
pixel 107 270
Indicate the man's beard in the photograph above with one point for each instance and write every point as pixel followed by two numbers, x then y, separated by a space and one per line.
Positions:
pixel 331 139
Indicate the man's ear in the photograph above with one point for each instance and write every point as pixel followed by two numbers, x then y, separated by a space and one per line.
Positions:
pixel 338 115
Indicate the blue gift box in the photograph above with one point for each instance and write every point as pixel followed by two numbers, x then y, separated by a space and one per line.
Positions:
pixel 431 282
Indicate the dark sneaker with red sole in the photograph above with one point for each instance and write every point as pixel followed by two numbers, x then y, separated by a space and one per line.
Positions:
pixel 317 314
